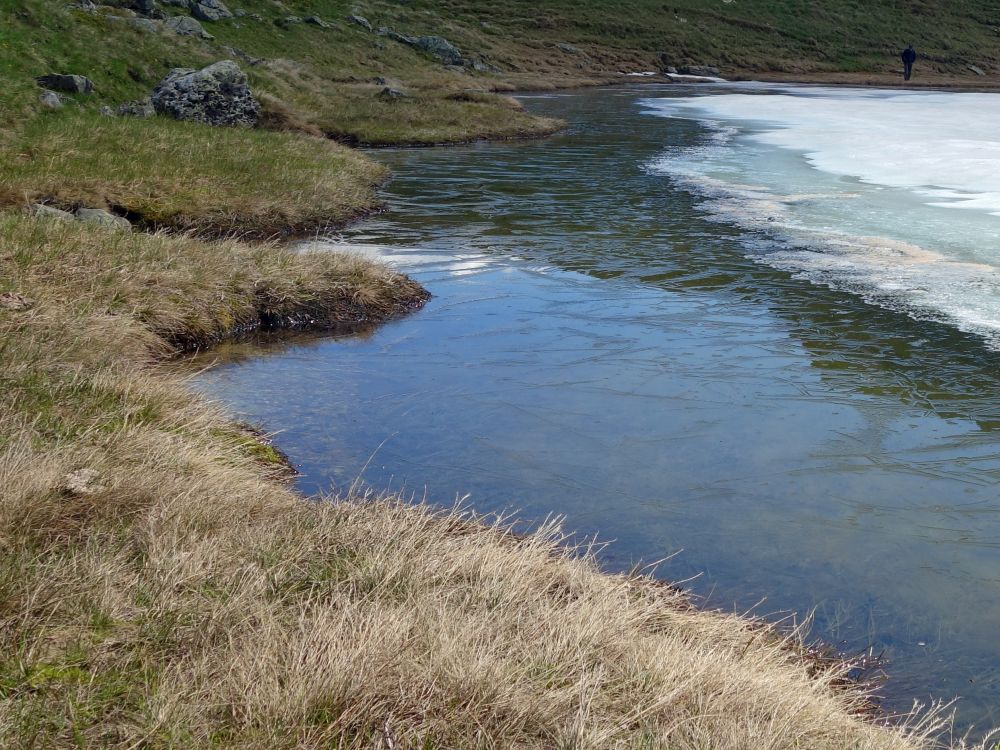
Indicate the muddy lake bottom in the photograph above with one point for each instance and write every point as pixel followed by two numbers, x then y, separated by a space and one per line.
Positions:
pixel 600 348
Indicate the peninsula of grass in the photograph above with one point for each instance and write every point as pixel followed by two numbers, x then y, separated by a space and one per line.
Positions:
pixel 160 588
pixel 186 176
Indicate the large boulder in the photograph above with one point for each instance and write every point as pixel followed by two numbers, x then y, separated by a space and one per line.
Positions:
pixel 216 95
pixel 187 26
pixel 210 10
pixel 73 83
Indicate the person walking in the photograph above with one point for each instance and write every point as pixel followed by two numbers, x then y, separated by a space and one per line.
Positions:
pixel 909 56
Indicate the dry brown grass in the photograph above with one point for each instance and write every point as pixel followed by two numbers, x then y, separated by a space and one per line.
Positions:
pixel 183 599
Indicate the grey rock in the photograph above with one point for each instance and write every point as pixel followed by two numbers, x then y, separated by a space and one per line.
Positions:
pixel 671 70
pixel 100 216
pixel 438 47
pixel 50 99
pixel 569 48
pixel 976 69
pixel 143 6
pixel 317 21
pixel 360 21
pixel 287 21
pixel 138 108
pixel 244 56
pixel 72 83
pixel 390 94
pixel 210 10
pixel 86 5
pixel 82 482
pixel 48 212
pixel 106 111
pixel 147 25
pixel 481 66
pixel 175 3
pixel 240 13
pixel 216 95
pixel 187 26
pixel 255 17
pixel 699 70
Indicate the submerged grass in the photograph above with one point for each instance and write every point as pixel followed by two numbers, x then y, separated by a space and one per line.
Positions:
pixel 158 589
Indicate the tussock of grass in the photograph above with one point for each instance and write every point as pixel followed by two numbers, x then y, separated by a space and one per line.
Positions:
pixel 183 599
pixel 187 176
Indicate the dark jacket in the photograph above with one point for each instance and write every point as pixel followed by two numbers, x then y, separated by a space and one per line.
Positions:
pixel 909 55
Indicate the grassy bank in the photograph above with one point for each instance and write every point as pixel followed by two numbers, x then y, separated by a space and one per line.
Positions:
pixel 159 587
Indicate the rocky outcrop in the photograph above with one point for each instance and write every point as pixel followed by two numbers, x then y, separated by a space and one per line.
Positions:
pixel 187 26
pixel 438 47
pixel 72 83
pixel 210 10
pixel 215 95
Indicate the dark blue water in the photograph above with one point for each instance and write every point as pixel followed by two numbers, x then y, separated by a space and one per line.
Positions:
pixel 597 348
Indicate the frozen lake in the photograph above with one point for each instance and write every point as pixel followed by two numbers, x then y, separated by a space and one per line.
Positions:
pixel 751 327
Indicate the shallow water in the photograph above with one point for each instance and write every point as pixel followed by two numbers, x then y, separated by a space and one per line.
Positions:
pixel 613 339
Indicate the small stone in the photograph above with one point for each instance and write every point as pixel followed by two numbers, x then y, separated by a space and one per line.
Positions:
pixel 50 99
pixel 240 13
pixel 287 21
pixel 14 301
pixel 137 108
pixel 976 69
pixel 569 48
pixel 48 212
pixel 82 482
pixel 360 21
pixel 106 111
pixel 61 82
pixel 100 216
pixel 317 21
pixel 706 71
pixel 391 94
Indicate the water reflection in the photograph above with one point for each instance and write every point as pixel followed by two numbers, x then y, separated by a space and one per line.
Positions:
pixel 598 347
